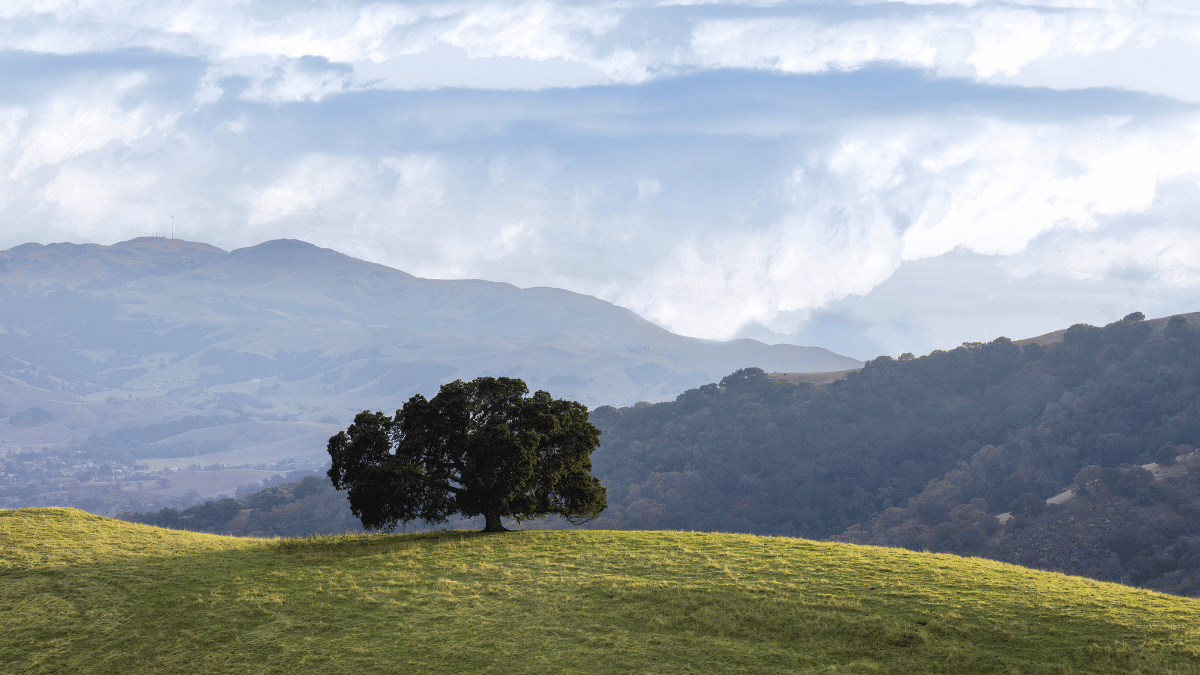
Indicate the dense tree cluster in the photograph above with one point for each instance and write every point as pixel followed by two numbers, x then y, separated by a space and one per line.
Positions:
pixel 759 455
pixel 1122 525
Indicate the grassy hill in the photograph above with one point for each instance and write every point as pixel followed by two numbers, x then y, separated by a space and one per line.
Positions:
pixel 83 593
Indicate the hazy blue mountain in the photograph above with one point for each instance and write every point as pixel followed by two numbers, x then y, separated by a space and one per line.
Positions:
pixel 277 345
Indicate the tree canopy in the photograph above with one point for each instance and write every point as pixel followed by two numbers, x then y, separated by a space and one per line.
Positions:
pixel 477 448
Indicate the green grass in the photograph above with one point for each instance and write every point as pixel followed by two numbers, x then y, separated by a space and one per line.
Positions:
pixel 81 593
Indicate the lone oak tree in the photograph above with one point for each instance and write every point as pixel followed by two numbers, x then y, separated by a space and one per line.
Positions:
pixel 479 447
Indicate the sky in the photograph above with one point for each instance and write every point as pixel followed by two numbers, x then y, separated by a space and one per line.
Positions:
pixel 870 177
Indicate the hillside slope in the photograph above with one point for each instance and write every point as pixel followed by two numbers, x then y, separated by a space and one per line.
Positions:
pixel 81 593
pixel 926 452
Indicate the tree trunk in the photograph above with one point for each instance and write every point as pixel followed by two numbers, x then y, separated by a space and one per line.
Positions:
pixel 494 524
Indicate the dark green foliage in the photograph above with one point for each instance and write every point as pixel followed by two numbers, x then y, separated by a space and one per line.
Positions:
pixel 1177 329
pixel 213 514
pixel 758 455
pixel 966 529
pixel 1023 510
pixel 1122 526
pixel 309 485
pixel 1166 455
pixel 1027 505
pixel 477 448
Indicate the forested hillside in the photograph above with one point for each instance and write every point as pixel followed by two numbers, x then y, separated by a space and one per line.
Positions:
pixel 1128 525
pixel 990 422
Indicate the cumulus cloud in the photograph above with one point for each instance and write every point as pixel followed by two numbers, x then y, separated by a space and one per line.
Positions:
pixel 315 179
pixel 392 188
pixel 983 40
pixel 534 43
pixel 80 121
pixel 1168 256
pixel 920 189
pixel 1014 182
pixel 421 181
pixel 90 195
pixel 58 154
pixel 1162 256
pixel 278 80
pixel 713 289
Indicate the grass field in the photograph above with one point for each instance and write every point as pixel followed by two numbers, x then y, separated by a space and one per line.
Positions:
pixel 82 593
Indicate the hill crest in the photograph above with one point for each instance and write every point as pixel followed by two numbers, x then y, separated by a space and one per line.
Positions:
pixel 549 601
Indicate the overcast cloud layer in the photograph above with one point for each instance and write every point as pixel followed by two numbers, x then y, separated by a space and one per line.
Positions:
pixel 834 173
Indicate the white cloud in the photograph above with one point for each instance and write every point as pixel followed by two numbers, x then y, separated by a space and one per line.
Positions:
pixel 91 195
pixel 315 179
pixel 278 80
pixel 495 44
pixel 12 119
pixel 421 181
pixel 443 65
pixel 82 120
pixel 712 289
pixel 537 44
pixel 57 156
pixel 840 219
pixel 1182 7
pixel 986 41
pixel 1165 256
pixel 533 30
pixel 919 189
pixel 647 188
pixel 1000 187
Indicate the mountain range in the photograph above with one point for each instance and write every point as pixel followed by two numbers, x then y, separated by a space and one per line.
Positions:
pixel 190 355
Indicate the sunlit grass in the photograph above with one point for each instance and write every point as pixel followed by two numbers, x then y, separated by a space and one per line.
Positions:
pixel 81 593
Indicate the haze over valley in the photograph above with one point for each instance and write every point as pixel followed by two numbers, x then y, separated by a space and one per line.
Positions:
pixel 175 354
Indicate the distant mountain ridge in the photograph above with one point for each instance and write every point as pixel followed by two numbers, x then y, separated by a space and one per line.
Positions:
pixel 288 340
